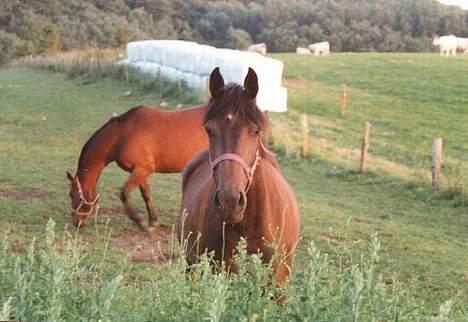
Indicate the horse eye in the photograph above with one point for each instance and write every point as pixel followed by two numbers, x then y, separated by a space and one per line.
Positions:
pixel 257 131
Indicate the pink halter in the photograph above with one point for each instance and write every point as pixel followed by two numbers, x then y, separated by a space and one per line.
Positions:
pixel 249 171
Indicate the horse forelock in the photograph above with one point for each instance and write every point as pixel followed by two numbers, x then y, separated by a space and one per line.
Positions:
pixel 234 102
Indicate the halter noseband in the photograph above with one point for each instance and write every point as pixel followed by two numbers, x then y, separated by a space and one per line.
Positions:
pixel 249 171
pixel 83 201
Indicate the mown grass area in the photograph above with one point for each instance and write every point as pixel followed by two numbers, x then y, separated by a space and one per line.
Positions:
pixel 45 118
pixel 409 99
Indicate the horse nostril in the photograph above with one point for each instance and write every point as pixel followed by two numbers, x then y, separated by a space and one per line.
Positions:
pixel 242 200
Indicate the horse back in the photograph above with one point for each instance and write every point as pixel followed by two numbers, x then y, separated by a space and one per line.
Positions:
pixel 162 140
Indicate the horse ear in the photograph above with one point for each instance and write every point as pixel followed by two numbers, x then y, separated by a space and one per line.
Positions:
pixel 69 176
pixel 251 84
pixel 216 83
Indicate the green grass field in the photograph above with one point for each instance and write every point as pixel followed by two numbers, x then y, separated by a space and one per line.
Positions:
pixel 45 118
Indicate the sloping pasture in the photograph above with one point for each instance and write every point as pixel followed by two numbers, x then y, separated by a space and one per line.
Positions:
pixel 46 117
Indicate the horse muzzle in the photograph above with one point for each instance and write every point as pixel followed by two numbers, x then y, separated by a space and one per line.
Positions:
pixel 78 220
pixel 231 204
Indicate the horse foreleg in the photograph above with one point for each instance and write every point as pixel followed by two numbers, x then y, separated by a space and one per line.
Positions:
pixel 146 194
pixel 130 185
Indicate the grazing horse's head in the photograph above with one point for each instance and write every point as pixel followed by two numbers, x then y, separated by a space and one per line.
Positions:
pixel 82 206
pixel 234 125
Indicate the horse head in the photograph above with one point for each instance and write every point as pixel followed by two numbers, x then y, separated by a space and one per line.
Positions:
pixel 234 125
pixel 82 204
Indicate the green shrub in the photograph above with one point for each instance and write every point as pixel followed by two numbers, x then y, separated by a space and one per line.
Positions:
pixel 56 280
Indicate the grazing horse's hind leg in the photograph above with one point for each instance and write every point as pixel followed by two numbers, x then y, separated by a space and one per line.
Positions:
pixel 146 194
pixel 134 181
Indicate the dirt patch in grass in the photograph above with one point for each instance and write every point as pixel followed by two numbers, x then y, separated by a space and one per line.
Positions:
pixel 24 194
pixel 153 246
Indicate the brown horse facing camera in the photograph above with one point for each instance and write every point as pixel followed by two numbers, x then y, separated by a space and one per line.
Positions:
pixel 141 141
pixel 235 189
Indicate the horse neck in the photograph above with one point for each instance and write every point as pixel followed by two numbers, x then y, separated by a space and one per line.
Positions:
pixel 93 159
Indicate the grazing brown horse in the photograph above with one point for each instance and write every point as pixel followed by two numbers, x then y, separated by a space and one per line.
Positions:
pixel 141 141
pixel 235 189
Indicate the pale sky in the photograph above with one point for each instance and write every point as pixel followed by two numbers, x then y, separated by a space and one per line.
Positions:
pixel 461 3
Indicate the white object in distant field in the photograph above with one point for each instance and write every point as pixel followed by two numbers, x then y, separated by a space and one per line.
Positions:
pixel 193 63
pixel 320 48
pixel 462 44
pixel 447 44
pixel 302 51
pixel 258 48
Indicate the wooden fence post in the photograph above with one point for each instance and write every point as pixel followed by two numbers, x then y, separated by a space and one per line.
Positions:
pixel 344 99
pixel 159 83
pixel 436 162
pixel 179 88
pixel 305 136
pixel 126 73
pixel 365 147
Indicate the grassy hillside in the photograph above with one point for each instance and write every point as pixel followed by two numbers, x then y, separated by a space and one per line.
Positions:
pixel 45 118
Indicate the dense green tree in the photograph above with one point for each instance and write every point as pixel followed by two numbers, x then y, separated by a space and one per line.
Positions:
pixel 31 27
pixel 240 39
pixel 7 48
pixel 50 40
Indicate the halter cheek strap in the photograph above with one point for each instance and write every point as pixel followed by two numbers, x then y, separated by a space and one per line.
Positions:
pixel 83 201
pixel 249 171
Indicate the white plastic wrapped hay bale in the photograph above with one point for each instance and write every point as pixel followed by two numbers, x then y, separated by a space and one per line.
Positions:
pixel 132 51
pixel 179 75
pixel 143 67
pixel 145 51
pixel 189 80
pixel 274 99
pixel 185 58
pixel 170 73
pixel 271 71
pixel 193 63
pixel 204 57
pixel 233 66
pixel 172 51
pixel 153 53
pixel 195 81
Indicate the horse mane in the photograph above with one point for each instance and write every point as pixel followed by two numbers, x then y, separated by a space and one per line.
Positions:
pixel 120 118
pixel 233 101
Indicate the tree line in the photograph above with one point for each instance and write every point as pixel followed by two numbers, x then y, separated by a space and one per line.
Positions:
pixel 35 27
